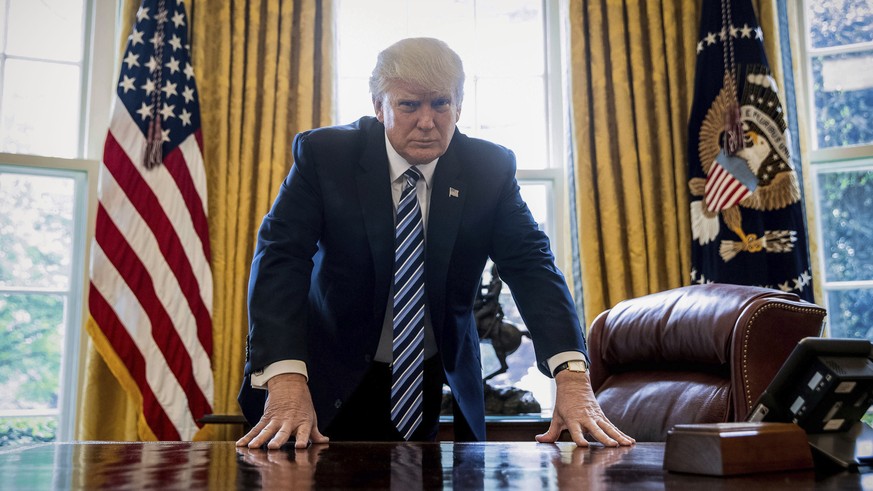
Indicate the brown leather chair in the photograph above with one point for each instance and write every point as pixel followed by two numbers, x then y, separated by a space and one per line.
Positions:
pixel 696 354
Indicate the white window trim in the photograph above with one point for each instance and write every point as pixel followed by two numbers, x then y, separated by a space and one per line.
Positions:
pixel 824 160
pixel 822 155
pixel 84 174
pixel 102 21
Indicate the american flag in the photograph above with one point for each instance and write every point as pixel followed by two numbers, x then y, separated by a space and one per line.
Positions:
pixel 150 297
pixel 725 183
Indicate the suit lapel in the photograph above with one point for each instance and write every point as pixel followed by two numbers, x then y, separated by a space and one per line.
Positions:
pixel 444 218
pixel 374 194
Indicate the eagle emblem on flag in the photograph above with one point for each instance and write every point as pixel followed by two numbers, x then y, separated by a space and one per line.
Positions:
pixel 758 176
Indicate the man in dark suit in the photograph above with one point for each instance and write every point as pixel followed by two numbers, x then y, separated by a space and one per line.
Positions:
pixel 328 334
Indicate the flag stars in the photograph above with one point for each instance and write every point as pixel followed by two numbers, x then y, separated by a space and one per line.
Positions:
pixel 173 65
pixel 178 19
pixel 149 86
pixel 799 284
pixel 136 37
pixel 189 71
pixel 175 42
pixel 699 46
pixel 165 135
pixel 759 34
pixel 156 39
pixel 126 83
pixel 722 35
pixel 145 111
pixel 746 31
pixel 142 14
pixel 167 111
pixel 188 94
pixel 152 64
pixel 734 31
pixel 710 38
pixel 805 277
pixel 185 117
pixel 132 60
pixel 169 89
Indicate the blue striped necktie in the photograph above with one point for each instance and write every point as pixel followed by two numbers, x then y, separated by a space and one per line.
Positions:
pixel 407 372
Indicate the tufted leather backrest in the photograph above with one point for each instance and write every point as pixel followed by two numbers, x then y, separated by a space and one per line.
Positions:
pixel 696 354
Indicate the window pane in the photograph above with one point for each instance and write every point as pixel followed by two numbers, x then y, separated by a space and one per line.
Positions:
pixel 538 196
pixel 48 29
pixel 39 112
pixel 850 313
pixel 36 231
pixel 355 94
pixel 509 38
pixel 362 33
pixel 846 204
pixel 453 21
pixel 501 43
pixel 511 112
pixel 522 372
pixel 843 87
pixel 31 340
pixel 839 22
pixel 27 431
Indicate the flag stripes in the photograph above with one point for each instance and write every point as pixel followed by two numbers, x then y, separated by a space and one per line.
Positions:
pixel 137 277
pixel 722 190
pixel 187 263
pixel 124 347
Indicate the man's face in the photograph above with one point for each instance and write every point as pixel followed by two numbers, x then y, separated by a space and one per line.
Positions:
pixel 419 123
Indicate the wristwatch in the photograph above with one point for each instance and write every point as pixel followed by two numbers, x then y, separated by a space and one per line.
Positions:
pixel 579 366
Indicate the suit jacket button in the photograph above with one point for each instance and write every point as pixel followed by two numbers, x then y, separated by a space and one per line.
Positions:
pixel 338 403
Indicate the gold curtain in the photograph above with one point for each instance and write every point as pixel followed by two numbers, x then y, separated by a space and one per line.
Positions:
pixel 632 84
pixel 264 71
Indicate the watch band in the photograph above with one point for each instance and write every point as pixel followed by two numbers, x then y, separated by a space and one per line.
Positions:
pixel 567 364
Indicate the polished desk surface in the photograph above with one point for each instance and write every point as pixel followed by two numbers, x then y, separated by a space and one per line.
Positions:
pixel 516 465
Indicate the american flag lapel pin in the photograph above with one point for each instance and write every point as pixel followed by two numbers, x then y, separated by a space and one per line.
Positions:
pixel 453 193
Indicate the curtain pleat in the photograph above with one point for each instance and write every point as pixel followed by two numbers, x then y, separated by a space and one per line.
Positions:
pixel 264 71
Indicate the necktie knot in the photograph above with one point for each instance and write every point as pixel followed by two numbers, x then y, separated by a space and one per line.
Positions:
pixel 412 176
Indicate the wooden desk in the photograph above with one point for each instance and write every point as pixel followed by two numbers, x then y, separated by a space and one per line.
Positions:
pixel 520 465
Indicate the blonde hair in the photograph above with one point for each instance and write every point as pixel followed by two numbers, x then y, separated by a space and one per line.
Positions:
pixel 424 62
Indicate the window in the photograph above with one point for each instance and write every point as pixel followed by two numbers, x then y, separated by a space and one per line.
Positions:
pixel 512 96
pixel 838 73
pixel 47 75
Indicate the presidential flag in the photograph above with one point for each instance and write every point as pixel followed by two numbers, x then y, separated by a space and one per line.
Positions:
pixel 746 208
pixel 150 297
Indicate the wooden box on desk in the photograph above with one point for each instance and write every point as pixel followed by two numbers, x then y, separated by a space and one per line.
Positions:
pixel 724 449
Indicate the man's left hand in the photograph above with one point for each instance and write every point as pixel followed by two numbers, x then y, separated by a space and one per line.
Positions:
pixel 577 411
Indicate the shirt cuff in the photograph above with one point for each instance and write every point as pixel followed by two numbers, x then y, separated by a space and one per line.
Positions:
pixel 562 357
pixel 260 377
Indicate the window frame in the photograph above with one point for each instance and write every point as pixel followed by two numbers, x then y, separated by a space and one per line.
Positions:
pixel 819 161
pixel 84 176
pixel 554 176
pixel 101 24
pixel 557 145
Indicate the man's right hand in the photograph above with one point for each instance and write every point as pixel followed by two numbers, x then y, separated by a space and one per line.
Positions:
pixel 288 413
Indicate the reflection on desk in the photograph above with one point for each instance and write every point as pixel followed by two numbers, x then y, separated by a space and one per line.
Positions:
pixel 520 465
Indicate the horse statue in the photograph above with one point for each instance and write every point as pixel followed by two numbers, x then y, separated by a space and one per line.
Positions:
pixel 505 337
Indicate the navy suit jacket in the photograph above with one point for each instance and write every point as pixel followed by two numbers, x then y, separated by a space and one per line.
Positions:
pixel 323 266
